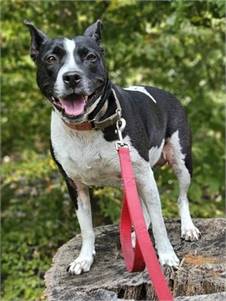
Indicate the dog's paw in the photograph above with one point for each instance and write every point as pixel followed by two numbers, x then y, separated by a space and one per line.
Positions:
pixel 190 233
pixel 80 265
pixel 169 258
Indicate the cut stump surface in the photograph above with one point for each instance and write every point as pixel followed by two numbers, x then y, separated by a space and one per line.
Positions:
pixel 201 275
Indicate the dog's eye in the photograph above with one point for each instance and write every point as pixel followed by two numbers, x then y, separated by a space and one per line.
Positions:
pixel 91 57
pixel 51 59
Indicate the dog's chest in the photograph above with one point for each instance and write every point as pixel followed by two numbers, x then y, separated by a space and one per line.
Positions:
pixel 85 156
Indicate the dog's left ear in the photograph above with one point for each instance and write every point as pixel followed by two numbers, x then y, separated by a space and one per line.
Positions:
pixel 37 39
pixel 94 31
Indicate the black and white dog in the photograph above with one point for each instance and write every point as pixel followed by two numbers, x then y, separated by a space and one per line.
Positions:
pixel 72 75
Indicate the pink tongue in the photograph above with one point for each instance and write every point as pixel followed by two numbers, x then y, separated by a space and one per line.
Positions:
pixel 73 107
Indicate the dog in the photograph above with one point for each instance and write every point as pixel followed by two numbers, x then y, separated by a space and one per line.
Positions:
pixel 72 75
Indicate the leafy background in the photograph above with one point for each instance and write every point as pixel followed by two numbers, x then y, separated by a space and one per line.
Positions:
pixel 175 45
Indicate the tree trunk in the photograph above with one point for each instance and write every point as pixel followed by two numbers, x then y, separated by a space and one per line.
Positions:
pixel 201 272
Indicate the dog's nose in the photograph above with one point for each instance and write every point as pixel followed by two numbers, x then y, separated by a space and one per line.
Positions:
pixel 71 79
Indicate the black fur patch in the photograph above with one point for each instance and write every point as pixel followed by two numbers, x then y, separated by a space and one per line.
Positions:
pixel 70 184
pixel 148 123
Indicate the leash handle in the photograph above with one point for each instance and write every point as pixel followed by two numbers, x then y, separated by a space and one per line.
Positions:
pixel 132 215
pixel 133 257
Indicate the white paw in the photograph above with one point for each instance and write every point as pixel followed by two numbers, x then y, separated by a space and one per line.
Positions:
pixel 169 258
pixel 190 233
pixel 80 264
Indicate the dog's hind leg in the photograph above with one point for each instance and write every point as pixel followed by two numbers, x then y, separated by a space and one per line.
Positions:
pixel 86 257
pixel 178 153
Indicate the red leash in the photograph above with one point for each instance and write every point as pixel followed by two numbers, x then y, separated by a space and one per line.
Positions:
pixel 132 215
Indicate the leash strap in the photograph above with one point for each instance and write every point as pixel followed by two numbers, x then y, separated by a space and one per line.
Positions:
pixel 132 215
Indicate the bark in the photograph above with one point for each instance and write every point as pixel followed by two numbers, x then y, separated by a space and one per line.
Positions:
pixel 201 275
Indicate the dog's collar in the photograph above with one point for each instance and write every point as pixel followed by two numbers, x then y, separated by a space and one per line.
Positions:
pixel 96 123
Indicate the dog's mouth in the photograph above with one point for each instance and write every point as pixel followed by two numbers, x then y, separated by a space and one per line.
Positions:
pixel 71 105
pixel 74 105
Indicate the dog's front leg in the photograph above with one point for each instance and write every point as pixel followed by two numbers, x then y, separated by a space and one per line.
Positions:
pixel 149 193
pixel 85 259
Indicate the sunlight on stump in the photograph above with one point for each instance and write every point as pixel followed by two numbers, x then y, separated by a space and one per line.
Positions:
pixel 202 270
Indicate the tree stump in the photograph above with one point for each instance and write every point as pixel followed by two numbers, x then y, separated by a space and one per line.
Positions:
pixel 201 275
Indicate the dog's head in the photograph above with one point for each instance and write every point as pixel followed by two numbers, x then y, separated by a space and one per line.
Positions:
pixel 70 72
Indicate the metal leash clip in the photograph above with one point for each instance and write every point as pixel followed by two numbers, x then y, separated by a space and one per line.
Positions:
pixel 120 126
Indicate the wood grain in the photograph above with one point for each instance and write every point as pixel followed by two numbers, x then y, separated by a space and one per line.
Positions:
pixel 202 270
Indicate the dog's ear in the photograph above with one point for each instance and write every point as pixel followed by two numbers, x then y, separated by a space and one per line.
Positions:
pixel 94 31
pixel 37 39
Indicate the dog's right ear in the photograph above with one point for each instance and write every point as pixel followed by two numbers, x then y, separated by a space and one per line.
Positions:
pixel 37 39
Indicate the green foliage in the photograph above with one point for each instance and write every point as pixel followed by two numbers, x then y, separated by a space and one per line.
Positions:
pixel 177 45
pixel 37 218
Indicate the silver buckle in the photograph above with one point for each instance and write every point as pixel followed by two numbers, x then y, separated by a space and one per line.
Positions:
pixel 120 126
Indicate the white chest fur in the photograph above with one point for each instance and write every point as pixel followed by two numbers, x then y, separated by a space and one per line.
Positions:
pixel 85 156
pixel 88 158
